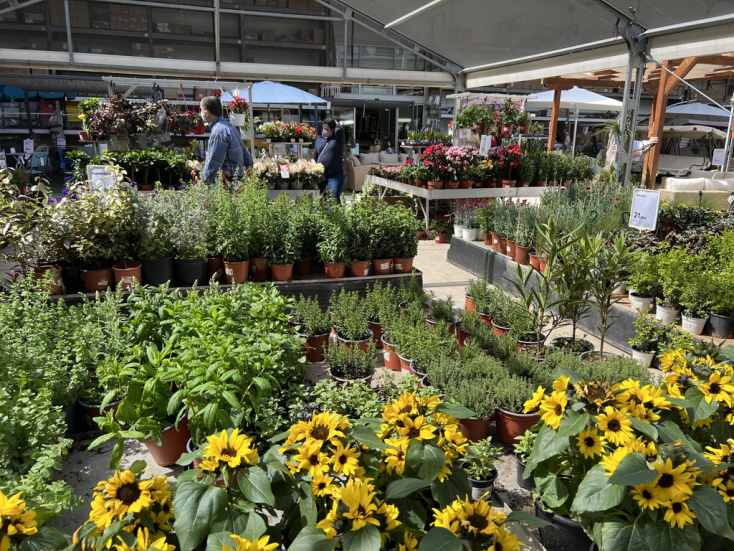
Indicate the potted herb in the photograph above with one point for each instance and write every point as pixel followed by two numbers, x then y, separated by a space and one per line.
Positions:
pixel 523 447
pixel 511 419
pixel 643 281
pixel 283 243
pixel 523 120
pixel 696 300
pixel 307 212
pixel 360 229
pixel 646 340
pixel 231 219
pixel 255 197
pixel 348 317
pixel 478 290
pixel 526 172
pixel 413 293
pixel 440 229
pixel 722 310
pixel 350 363
pixel 474 394
pixel 154 247
pixel 442 311
pixel 673 268
pixel 313 325
pixel 542 168
pixel 333 246
pixel 480 466
pixel 476 332
pixel 525 234
pixel 380 305
pixel 404 228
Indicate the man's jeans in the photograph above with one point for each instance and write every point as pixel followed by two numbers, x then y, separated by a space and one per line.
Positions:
pixel 334 184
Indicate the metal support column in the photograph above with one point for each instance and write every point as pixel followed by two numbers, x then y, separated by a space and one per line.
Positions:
pixel 241 34
pixel 68 32
pixel 639 73
pixel 346 24
pixel 217 52
pixel 728 146
pixel 623 118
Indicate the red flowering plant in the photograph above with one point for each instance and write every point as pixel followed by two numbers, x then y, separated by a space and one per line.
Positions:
pixel 181 122
pixel 238 105
pixel 510 111
pixel 435 159
pixel 115 117
pixel 215 93
pixel 510 158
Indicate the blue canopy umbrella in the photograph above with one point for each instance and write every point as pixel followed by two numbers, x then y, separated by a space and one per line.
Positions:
pixel 12 93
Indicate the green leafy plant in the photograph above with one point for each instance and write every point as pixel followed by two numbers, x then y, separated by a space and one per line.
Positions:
pixel 442 310
pixel 481 458
pixel 648 335
pixel 309 316
pixel 348 315
pixel 350 362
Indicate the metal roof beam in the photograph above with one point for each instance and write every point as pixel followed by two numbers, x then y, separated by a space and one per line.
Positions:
pixel 414 13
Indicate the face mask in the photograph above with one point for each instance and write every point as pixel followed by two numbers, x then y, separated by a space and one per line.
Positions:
pixel 325 133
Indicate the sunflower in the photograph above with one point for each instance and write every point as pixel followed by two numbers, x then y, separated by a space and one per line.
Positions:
pixel 233 450
pixel 561 384
pixel 679 514
pixel 144 541
pixel 647 496
pixel 388 519
pixel 718 388
pixel 476 517
pixel 409 543
pixel 726 491
pixel 260 544
pixel 612 461
pixel 311 458
pixel 553 409
pixel 720 455
pixel 504 540
pixel 323 427
pixel 395 456
pixel 357 497
pixel 103 512
pixel 673 481
pixel 404 406
pixel 417 429
pixel 446 518
pixel 534 402
pixel 594 392
pixel 590 443
pixel 671 358
pixel 15 519
pixel 345 459
pixel 616 426
pixel 127 494
pixel 327 524
pixel 321 485
pixel 430 402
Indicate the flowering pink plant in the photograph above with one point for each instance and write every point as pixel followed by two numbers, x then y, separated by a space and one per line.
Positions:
pixel 463 158
pixel 435 158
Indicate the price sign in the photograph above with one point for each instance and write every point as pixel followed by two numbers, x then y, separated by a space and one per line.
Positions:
pixel 28 147
pixel 644 211
pixel 100 177
pixel 730 199
pixel 464 133
pixel 284 174
pixel 3 164
pixel 719 157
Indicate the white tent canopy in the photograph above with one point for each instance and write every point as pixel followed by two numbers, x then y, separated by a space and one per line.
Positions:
pixel 274 92
pixel 577 99
pixel 693 132
pixel 696 108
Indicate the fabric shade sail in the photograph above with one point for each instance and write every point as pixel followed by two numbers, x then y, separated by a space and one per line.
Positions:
pixel 696 108
pixel 576 98
pixel 274 92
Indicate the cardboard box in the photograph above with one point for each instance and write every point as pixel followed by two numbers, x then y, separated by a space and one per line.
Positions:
pixel 163 51
pixel 56 11
pixel 272 3
pixel 101 24
pixel 119 17
pixel 138 18
pixel 251 34
pixel 268 35
pixel 180 29
pixel 35 18
pixel 9 17
pixel 298 4
pixel 39 44
pixel 249 60
pixel 170 94
pixel 58 46
pixel 318 36
pixel 79 14
pixel 141 49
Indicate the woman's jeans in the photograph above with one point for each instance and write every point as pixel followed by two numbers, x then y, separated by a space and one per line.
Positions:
pixel 334 184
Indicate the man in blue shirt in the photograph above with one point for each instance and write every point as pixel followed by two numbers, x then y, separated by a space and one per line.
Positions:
pixel 226 150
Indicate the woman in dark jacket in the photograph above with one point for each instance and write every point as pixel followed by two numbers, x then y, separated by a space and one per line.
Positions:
pixel 329 151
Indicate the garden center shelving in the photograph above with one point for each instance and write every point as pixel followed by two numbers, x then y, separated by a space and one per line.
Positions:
pixel 423 194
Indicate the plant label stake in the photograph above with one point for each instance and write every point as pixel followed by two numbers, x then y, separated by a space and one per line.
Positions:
pixel 644 212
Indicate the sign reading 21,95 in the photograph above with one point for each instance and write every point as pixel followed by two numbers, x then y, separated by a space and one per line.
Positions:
pixel 644 212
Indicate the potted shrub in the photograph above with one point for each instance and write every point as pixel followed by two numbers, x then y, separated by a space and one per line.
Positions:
pixel 525 234
pixel 350 363
pixel 238 108
pixel 510 160
pixel 673 268
pixel 643 281
pixel 542 167
pixel 440 229
pixel 313 325
pixel 231 217
pixel 380 305
pixel 360 227
pixel 646 340
pixel 523 121
pixel 333 246
pixel 421 174
pixel 283 243
pixel 722 311
pixel 526 172
pixel 442 311
pixel 478 290
pixel 480 466
pixel 511 419
pixel 349 319
pixel 476 332
pixel 413 293
pixel 523 448
pixel 307 215
pixel 404 228
pixel 485 217
pixel 474 392
pixel 154 248
pixel 696 300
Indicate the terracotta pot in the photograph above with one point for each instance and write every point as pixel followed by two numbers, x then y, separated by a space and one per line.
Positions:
pixel 303 267
pixel 435 185
pixel 512 425
pixel 92 411
pixel 461 336
pixel 421 183
pixel 468 303
pixel 215 269
pixel 474 429
pixel 334 270
pixel 236 272
pixel 382 266
pixel 542 265
pixel 390 355
pixel 486 319
pixel 363 344
pixel 377 332
pixel 360 268
pixel 541 183
pixel 503 246
pixel 405 180
pixel 507 130
pixel 98 280
pixel 314 346
pixel 145 187
pixel 510 248
pixel 403 265
pixel 522 254
pixel 495 241
pixel 339 380
pixel 259 270
pixel 535 261
pixel 499 330
pixel 406 366
pixel 524 184
pixel 450 184
pixel 441 237
pixel 57 286
pixel 126 271
pixel 488 239
pixel 509 183
pixel 466 184
pixel 282 272
pixel 523 128
pixel 174 444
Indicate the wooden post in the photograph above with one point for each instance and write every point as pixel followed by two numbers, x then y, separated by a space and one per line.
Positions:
pixel 554 119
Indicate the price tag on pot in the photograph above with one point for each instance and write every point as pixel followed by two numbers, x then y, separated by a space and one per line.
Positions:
pixel 464 133
pixel 644 211
pixel 730 199
pixel 284 174
pixel 100 177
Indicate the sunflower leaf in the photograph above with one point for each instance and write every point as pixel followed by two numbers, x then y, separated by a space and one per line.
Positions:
pixel 660 535
pixel 701 408
pixel 47 537
pixel 311 538
pixel 633 470
pixel 526 518
pixel 369 438
pixel 255 486
pixel 620 535
pixel 412 513
pixel 217 540
pixel 710 510
pixel 645 428
pixel 457 484
pixel 440 539
pixel 366 539
pixel 404 487
pixel 573 424
pixel 547 444
pixel 596 494
pixel 195 508
pixel 455 410
pixel 255 528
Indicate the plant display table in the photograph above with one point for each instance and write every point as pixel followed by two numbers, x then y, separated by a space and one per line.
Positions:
pixel 423 194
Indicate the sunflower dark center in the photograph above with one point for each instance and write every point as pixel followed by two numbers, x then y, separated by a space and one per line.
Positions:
pixel 666 480
pixel 343 459
pixel 558 410
pixel 229 451
pixel 730 492
pixel 614 425
pixel 400 455
pixel 636 399
pixel 589 441
pixel 677 507
pixel 406 409
pixel 129 493
pixel 322 485
pixel 361 510
pixel 498 547
pixel 478 521
pixel 320 432
pixel 413 433
pixel 314 460
pixel 646 494
pixel 715 388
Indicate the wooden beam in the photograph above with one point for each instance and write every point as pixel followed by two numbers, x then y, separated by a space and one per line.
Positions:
pixel 581 82
pixel 657 122
pixel 716 60
pixel 554 120
pixel 681 72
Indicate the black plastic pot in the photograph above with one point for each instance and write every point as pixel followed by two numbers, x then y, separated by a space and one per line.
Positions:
pixel 188 271
pixel 722 327
pixel 481 487
pixel 526 483
pixel 74 418
pixel 157 271
pixel 73 280
pixel 566 534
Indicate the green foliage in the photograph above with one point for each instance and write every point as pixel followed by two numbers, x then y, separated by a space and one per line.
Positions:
pixel 481 458
pixel 355 400
pixel 283 242
pixel 513 393
pixel 649 334
pixel 442 310
pixel 348 314
pixel 349 361
pixel 309 316
pixel 380 304
pixel 525 444
pixel 333 246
